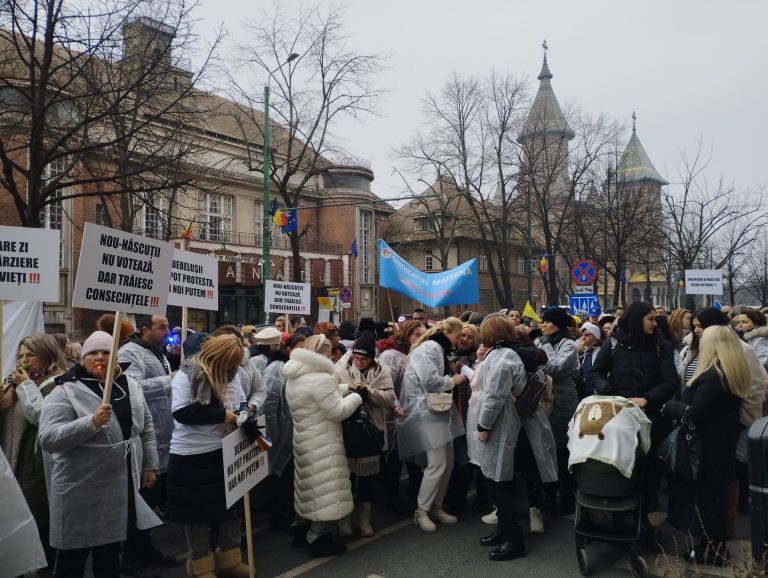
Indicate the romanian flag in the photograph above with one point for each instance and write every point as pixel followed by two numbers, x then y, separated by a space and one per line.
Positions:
pixel 187 231
pixel 544 264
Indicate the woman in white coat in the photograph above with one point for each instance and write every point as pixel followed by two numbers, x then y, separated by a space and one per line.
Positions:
pixel 323 492
pixel 493 427
pixel 99 455
pixel 423 431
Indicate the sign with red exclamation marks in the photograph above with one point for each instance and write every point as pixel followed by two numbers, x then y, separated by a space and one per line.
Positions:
pixel 29 264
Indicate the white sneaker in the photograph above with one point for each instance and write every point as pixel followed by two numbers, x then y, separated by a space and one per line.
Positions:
pixel 345 527
pixel 491 518
pixel 421 519
pixel 441 515
pixel 537 521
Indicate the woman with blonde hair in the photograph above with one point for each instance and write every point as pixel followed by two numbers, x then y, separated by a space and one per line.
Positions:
pixel 39 360
pixel 711 401
pixel 207 398
pixel 421 430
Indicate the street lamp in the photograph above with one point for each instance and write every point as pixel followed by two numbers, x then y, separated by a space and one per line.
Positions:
pixel 265 232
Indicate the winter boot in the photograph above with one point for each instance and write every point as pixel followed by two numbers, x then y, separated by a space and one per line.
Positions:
pixel 230 564
pixel 364 519
pixel 202 567
pixel 324 546
pixel 537 521
pixel 441 515
pixel 345 527
pixel 421 519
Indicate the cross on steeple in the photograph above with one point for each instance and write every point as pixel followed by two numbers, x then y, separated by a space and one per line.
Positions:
pixel 634 121
pixel 545 47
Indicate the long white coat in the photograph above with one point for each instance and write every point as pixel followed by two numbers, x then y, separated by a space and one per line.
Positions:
pixel 89 477
pixel 322 488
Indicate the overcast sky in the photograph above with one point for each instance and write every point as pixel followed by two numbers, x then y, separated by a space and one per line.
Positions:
pixel 690 68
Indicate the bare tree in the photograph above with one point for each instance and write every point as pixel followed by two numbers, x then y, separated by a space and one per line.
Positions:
pixel 699 215
pixel 311 93
pixel 756 276
pixel 99 116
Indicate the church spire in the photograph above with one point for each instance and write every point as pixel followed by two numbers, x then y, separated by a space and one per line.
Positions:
pixel 635 164
pixel 546 116
pixel 545 74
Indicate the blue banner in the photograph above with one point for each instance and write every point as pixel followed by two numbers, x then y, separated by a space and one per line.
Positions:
pixel 456 286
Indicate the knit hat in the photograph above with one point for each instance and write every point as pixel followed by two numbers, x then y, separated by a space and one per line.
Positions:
pixel 97 341
pixel 268 336
pixel 365 345
pixel 593 329
pixel 194 343
pixel 558 316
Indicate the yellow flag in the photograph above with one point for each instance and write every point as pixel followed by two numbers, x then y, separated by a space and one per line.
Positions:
pixel 530 313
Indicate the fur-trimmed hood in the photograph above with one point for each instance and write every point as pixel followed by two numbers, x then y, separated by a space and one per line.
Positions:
pixel 304 361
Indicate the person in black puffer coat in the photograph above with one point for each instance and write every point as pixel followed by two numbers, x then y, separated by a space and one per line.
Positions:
pixel 636 363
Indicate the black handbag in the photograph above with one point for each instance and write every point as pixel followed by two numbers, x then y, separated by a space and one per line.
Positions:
pixel 681 451
pixel 362 439
pixel 528 400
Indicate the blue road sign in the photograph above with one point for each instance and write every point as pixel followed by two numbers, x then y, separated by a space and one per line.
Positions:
pixel 345 295
pixel 584 272
pixel 583 303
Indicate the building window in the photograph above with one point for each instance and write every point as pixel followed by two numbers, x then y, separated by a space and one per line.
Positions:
pixel 102 218
pixel 521 265
pixel 215 217
pixel 307 271
pixel 327 273
pixel 482 262
pixel 428 262
pixel 363 243
pixel 154 216
pixel 52 214
pixel 425 224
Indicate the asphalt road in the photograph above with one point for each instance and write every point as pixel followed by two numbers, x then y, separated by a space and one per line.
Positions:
pixel 400 550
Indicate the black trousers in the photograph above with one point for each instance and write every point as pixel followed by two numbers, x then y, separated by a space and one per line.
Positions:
pixel 105 561
pixel 502 494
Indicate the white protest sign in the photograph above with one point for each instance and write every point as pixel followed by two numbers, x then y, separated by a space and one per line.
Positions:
pixel 286 297
pixel 244 465
pixel 194 281
pixel 119 271
pixel 704 282
pixel 29 264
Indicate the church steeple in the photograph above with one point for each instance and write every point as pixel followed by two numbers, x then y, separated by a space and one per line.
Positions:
pixel 635 164
pixel 546 117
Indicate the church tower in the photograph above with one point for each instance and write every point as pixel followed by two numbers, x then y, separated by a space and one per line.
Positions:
pixel 636 171
pixel 545 135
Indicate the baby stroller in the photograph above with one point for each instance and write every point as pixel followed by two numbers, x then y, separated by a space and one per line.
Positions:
pixel 609 509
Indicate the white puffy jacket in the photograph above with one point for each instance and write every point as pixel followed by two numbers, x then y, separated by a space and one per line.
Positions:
pixel 322 487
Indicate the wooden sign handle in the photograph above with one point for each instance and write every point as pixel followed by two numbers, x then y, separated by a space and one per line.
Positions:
pixel 112 359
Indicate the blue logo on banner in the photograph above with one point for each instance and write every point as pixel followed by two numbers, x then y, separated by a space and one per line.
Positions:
pixel 453 287
pixel 583 303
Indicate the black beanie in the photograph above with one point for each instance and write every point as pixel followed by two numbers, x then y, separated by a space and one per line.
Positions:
pixel 558 316
pixel 365 345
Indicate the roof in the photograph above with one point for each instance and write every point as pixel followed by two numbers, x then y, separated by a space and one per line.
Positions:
pixel 636 165
pixel 545 116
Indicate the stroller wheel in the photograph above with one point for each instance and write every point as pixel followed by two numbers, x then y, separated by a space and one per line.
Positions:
pixel 583 559
pixel 639 567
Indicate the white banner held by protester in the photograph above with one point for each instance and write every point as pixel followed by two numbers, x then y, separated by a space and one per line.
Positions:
pixel 704 282
pixel 244 465
pixel 119 271
pixel 286 297
pixel 29 264
pixel 194 281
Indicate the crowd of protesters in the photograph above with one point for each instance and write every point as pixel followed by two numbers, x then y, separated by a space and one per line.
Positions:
pixel 98 475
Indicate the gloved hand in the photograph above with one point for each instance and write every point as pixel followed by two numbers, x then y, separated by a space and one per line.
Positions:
pixel 363 392
pixel 674 409
pixel 250 427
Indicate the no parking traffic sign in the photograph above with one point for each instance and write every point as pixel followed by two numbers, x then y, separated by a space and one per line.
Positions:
pixel 345 295
pixel 584 272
